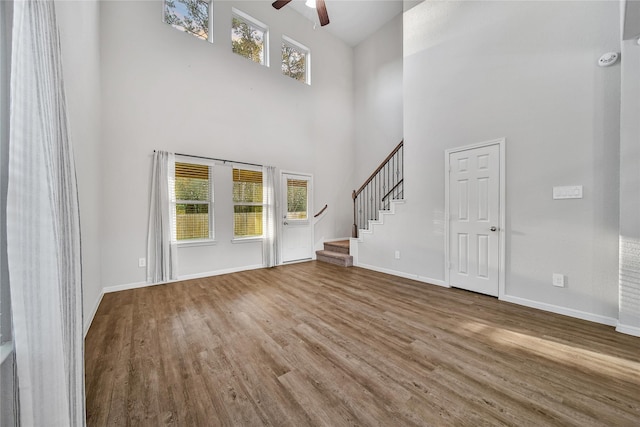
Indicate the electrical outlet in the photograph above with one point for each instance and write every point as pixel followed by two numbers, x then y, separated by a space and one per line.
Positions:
pixel 558 280
pixel 142 262
pixel 397 254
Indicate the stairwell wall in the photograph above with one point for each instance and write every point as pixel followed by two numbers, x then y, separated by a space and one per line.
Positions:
pixel 526 71
pixel 378 97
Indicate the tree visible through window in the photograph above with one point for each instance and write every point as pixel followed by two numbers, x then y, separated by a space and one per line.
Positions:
pixel 297 199
pixel 194 212
pixel 248 38
pixel 190 16
pixel 247 203
pixel 295 60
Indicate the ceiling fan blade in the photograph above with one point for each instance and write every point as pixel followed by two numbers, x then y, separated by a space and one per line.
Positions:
pixel 322 12
pixel 278 4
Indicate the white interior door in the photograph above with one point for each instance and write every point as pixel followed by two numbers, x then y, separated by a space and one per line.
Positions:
pixel 297 227
pixel 474 219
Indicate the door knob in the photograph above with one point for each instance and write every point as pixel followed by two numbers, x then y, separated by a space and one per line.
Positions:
pixel 493 229
pixel 286 223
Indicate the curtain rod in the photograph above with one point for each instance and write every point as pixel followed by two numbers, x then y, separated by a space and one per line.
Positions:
pixel 213 158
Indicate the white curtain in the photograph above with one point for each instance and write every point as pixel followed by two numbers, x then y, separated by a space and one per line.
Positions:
pixel 43 228
pixel 162 246
pixel 270 252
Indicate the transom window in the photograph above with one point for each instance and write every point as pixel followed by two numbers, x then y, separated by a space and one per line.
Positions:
pixel 194 202
pixel 295 60
pixel 190 16
pixel 249 38
pixel 247 203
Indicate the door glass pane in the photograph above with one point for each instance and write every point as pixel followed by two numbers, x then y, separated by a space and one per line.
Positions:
pixel 297 199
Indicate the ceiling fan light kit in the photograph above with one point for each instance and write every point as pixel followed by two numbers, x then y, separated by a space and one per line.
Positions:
pixel 323 16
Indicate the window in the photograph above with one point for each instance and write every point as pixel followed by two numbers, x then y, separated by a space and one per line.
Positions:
pixel 295 60
pixel 249 38
pixel 194 202
pixel 297 199
pixel 247 203
pixel 190 16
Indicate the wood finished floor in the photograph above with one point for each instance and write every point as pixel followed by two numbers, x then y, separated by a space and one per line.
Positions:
pixel 313 344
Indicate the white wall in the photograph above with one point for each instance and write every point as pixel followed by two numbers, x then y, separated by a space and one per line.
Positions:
pixel 476 71
pixel 79 26
pixel 378 97
pixel 629 319
pixel 167 90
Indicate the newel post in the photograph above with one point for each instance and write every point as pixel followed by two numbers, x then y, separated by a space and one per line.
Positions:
pixel 354 230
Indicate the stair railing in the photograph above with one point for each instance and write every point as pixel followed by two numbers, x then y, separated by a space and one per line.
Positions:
pixel 384 185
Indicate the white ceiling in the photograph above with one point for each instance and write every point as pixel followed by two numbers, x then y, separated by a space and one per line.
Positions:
pixel 352 20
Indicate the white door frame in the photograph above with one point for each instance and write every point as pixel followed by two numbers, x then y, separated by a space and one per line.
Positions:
pixel 282 209
pixel 500 142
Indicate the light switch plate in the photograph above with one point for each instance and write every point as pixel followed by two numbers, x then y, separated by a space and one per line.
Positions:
pixel 567 192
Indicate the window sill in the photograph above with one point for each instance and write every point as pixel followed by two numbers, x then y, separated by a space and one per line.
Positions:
pixel 189 243
pixel 246 240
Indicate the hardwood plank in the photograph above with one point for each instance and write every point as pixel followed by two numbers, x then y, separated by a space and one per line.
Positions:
pixel 313 344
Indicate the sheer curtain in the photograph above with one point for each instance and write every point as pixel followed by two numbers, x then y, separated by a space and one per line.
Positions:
pixel 162 246
pixel 43 228
pixel 270 250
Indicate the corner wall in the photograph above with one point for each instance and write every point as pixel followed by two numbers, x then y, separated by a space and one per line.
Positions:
pixel 526 71
pixel 79 27
pixel 629 318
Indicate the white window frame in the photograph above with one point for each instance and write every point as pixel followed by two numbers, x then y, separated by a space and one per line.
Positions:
pixel 210 29
pixel 307 52
pixel 253 22
pixel 211 239
pixel 234 204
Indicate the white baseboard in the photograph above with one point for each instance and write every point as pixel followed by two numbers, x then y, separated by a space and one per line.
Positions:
pixel 89 320
pixel 220 272
pixel 136 285
pixel 404 275
pixel 127 286
pixel 610 321
pixel 629 330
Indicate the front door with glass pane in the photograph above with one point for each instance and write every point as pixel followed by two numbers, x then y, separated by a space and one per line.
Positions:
pixel 297 227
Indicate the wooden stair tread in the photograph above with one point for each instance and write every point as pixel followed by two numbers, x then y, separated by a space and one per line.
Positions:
pixel 336 258
pixel 341 246
pixel 333 254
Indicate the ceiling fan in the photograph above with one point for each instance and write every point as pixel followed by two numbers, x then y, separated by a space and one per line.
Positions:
pixel 320 6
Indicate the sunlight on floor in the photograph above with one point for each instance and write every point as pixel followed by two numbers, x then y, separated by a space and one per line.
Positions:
pixel 566 354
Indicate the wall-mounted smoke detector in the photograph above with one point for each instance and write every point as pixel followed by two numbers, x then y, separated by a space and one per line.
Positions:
pixel 608 59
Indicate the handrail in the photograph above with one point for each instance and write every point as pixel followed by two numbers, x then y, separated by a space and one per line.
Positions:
pixel 384 162
pixel 321 211
pixel 372 197
pixel 391 191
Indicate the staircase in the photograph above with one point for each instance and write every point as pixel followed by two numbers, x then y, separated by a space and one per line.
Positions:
pixel 336 253
pixel 378 193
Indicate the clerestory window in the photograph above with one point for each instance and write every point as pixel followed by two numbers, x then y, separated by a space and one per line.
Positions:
pixel 191 16
pixel 249 38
